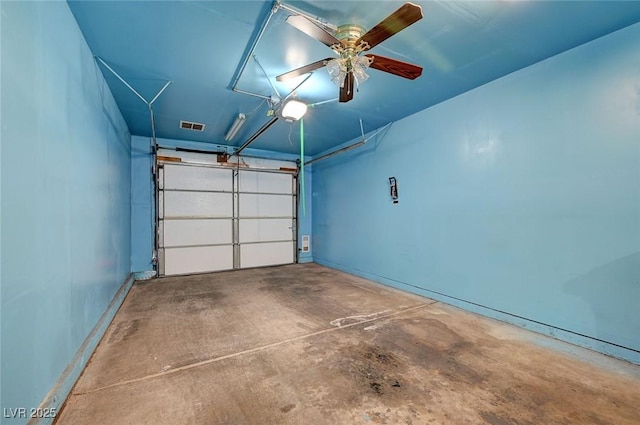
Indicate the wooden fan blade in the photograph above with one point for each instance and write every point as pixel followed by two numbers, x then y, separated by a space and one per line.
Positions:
pixel 312 30
pixel 303 70
pixel 406 15
pixel 346 91
pixel 395 67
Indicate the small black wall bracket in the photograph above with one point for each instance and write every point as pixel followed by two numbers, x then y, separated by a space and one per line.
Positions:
pixel 393 187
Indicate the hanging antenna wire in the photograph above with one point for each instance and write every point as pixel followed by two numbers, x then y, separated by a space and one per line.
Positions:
pixel 290 130
pixel 256 108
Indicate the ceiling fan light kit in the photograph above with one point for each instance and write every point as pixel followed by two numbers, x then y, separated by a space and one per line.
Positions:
pixel 350 68
pixel 339 68
pixel 293 110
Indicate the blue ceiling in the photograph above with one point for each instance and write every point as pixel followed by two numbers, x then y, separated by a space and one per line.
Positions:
pixel 201 47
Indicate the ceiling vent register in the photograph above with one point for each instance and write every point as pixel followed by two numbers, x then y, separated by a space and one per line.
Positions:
pixel 188 125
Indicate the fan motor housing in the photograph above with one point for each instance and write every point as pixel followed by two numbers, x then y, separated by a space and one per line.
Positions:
pixel 349 33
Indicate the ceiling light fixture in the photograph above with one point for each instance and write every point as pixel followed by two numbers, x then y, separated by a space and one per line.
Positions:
pixel 235 127
pixel 350 60
pixel 293 110
pixel 339 68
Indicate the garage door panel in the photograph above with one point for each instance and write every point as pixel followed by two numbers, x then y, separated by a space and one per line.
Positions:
pixel 264 230
pixel 197 232
pixel 197 204
pixel 263 182
pixel 197 178
pixel 266 254
pixel 259 205
pixel 197 259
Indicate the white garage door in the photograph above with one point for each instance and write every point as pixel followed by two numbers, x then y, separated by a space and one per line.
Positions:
pixel 214 219
pixel 266 222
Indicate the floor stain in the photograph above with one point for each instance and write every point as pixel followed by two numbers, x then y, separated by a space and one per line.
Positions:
pixel 195 303
pixel 432 345
pixel 493 419
pixel 291 286
pixel 287 408
pixel 123 331
pixel 373 369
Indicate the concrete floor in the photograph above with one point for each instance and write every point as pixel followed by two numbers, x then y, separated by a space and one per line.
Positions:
pixel 304 344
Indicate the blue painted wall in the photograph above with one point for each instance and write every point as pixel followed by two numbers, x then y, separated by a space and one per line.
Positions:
pixel 65 197
pixel 305 215
pixel 521 197
pixel 142 202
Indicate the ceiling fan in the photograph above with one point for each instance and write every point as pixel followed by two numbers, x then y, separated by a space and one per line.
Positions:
pixel 349 42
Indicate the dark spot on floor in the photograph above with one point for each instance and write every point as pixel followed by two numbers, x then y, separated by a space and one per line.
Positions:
pixel 442 350
pixel 373 369
pixel 376 387
pixel 123 331
pixel 290 286
pixel 493 419
pixel 197 302
pixel 287 408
